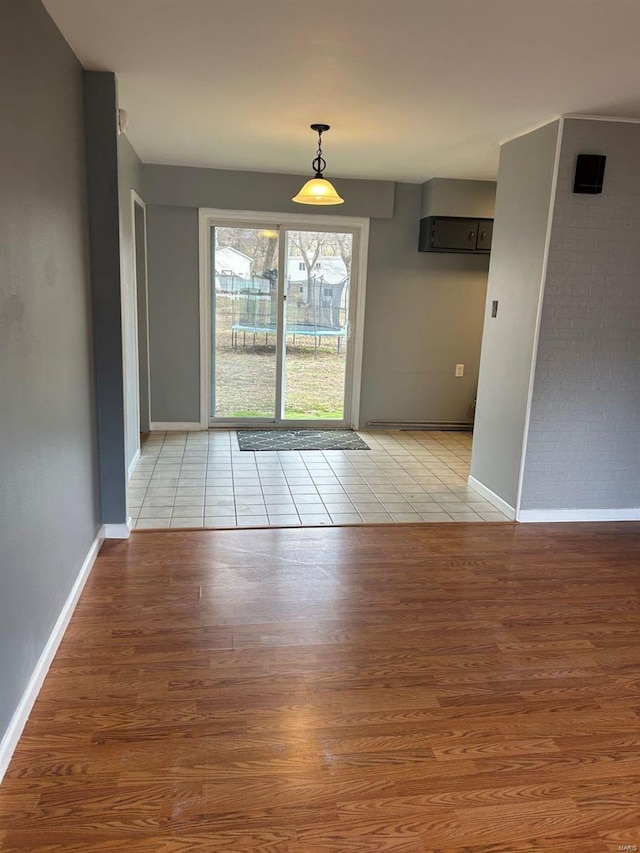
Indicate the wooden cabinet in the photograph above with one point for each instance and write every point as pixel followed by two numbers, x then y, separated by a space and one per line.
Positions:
pixel 455 234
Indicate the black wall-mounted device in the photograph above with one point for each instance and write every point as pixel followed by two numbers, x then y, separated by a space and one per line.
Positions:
pixel 589 173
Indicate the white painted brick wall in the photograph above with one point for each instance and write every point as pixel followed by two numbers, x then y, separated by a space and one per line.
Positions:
pixel 583 448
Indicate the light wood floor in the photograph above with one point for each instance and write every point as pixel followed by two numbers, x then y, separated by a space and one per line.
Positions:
pixel 409 689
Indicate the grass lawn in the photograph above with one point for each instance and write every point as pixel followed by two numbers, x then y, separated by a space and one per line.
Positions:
pixel 245 380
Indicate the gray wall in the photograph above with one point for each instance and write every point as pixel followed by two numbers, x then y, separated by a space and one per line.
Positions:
pixel 583 449
pixel 174 319
pixel 452 197
pixel 515 279
pixel 129 178
pixel 49 503
pixel 183 186
pixel 424 313
pixel 100 102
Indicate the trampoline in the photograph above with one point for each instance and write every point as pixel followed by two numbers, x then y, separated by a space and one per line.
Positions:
pixel 293 329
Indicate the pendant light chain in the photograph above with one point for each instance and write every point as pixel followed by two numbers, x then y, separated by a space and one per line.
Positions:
pixel 319 163
pixel 318 190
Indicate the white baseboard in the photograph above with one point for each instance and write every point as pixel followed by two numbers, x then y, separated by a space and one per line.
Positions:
pixel 134 462
pixel 537 515
pixel 175 426
pixel 21 715
pixel 490 496
pixel 118 531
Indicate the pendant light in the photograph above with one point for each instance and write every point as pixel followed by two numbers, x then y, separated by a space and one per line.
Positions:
pixel 318 190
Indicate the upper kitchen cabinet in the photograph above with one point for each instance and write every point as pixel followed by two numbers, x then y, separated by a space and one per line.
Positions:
pixel 457 216
pixel 455 234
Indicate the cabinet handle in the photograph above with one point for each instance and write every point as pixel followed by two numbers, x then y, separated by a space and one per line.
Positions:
pixel 483 235
pixel 471 236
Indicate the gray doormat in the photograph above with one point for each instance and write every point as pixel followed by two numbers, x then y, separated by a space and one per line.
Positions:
pixel 300 439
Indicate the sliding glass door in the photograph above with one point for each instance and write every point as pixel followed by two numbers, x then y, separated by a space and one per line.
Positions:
pixel 316 324
pixel 281 303
pixel 244 321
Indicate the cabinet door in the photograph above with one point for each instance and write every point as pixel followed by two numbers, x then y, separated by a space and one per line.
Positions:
pixel 457 235
pixel 485 234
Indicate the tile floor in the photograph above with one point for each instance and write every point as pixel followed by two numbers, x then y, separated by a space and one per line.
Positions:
pixel 203 480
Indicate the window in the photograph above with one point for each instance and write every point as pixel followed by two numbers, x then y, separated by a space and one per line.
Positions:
pixel 301 266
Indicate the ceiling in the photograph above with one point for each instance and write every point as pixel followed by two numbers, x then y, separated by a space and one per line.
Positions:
pixel 413 89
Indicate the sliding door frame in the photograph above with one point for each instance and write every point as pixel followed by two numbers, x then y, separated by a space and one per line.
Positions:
pixel 359 226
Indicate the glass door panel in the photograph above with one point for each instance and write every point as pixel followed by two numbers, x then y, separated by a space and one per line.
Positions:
pixel 316 321
pixel 244 307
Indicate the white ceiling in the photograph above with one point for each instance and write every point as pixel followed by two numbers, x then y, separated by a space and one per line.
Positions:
pixel 412 88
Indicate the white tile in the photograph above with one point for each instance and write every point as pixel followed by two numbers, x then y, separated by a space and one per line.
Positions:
pixel 453 506
pixel 493 516
pixel 376 517
pixel 155 512
pixel 304 490
pixel 345 518
pixel 308 499
pixel 424 505
pixel 366 501
pixel 339 507
pixel 435 516
pixel 186 521
pixel 396 506
pixel 138 493
pixel 405 516
pixel 250 509
pixel 157 500
pixel 334 489
pixel 151 523
pixel 279 489
pixel 315 518
pixel 208 509
pixel 187 511
pixel 444 497
pixel 273 500
pixel 253 520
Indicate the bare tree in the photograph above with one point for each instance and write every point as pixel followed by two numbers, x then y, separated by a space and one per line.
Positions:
pixel 309 244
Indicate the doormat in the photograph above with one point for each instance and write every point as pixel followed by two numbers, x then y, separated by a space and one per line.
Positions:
pixel 300 439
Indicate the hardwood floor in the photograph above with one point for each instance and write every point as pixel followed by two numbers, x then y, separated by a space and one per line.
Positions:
pixel 451 688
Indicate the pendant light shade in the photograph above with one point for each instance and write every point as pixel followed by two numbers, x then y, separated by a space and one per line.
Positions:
pixel 318 190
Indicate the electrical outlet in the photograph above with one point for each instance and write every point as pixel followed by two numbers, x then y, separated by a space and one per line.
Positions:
pixel 459 370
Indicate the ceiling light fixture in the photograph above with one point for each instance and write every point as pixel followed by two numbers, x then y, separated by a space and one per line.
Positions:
pixel 318 190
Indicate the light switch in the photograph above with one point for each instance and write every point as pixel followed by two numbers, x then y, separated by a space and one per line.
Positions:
pixel 459 370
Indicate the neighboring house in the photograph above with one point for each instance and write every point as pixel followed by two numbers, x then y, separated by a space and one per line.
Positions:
pixel 330 278
pixel 329 270
pixel 232 262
